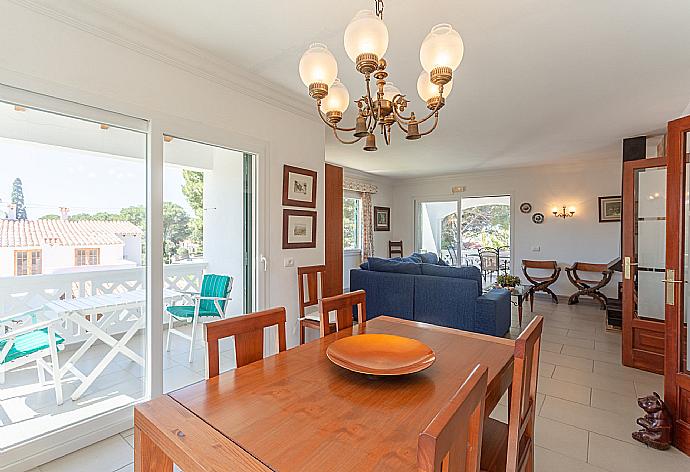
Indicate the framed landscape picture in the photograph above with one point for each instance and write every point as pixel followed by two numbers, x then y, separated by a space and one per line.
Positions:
pixel 299 229
pixel 610 208
pixel 299 187
pixel 382 219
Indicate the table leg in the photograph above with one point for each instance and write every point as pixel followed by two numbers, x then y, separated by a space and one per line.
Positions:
pixel 148 457
pixel 520 300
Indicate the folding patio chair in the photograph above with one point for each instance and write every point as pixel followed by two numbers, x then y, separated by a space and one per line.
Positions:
pixel 210 302
pixel 31 342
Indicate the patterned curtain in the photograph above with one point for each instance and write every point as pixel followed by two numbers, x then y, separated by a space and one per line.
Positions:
pixel 366 190
pixel 367 226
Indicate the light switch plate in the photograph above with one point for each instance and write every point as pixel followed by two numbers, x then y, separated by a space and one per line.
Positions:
pixel 536 248
pixel 289 262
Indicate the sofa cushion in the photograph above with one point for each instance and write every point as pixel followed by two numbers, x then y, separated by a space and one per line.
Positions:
pixel 445 301
pixel 465 272
pixel 426 257
pixel 441 262
pixel 377 264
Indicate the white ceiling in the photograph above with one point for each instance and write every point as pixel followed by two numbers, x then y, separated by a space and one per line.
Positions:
pixel 542 81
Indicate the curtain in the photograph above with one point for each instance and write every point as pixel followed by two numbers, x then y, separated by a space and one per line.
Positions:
pixel 366 190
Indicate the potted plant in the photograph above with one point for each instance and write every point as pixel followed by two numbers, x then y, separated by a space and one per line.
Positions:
pixel 507 280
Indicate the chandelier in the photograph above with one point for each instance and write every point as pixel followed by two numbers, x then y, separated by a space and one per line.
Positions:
pixel 366 41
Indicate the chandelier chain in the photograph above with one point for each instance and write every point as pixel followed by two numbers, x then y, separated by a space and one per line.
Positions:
pixel 379 8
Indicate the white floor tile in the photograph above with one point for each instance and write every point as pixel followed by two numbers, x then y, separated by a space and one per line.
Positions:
pixel 619 456
pixel 105 456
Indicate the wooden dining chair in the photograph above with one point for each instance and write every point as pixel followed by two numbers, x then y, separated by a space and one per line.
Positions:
pixel 395 249
pixel 453 440
pixel 587 286
pixel 540 283
pixel 344 306
pixel 310 281
pixel 248 331
pixel 510 447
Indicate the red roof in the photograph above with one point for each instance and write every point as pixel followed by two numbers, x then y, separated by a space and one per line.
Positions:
pixel 34 233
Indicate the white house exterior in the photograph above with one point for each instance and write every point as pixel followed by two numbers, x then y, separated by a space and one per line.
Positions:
pixel 32 247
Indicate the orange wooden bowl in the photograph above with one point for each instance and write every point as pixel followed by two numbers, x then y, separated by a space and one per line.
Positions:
pixel 380 354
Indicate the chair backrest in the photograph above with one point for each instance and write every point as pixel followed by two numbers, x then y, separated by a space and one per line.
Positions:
pixel 343 305
pixel 395 247
pixel 488 259
pixel 310 282
pixel 589 267
pixel 453 440
pixel 529 264
pixel 213 285
pixel 523 400
pixel 248 331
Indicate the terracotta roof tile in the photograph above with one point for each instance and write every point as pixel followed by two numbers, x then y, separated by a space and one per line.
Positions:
pixel 33 233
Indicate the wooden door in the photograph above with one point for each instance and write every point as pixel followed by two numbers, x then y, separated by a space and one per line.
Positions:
pixel 644 260
pixel 676 373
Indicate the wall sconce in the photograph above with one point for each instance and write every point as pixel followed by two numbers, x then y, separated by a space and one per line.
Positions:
pixel 564 213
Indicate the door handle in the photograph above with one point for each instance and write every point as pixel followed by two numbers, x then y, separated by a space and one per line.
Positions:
pixel 264 261
pixel 670 280
pixel 626 267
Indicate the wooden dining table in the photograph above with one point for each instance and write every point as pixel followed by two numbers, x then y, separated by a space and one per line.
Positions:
pixel 297 411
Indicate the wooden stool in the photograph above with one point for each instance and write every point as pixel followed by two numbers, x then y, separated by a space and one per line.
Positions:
pixel 541 284
pixel 395 247
pixel 589 288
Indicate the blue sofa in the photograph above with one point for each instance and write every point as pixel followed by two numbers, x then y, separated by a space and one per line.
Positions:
pixel 431 293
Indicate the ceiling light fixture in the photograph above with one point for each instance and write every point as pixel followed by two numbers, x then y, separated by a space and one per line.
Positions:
pixel 366 42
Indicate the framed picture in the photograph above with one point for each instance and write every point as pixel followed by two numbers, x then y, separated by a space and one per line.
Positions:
pixel 299 229
pixel 382 219
pixel 299 187
pixel 610 208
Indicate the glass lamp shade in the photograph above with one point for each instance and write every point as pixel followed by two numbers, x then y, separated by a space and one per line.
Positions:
pixel 338 98
pixel 442 47
pixel 427 90
pixel 366 33
pixel 390 91
pixel 318 65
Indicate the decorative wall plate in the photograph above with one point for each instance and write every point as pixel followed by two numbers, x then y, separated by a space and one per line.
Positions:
pixel 380 354
pixel 538 218
pixel 525 207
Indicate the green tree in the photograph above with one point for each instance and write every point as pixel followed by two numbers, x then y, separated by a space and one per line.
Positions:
pixel 193 190
pixel 50 217
pixel 176 228
pixel 99 216
pixel 135 215
pixel 18 199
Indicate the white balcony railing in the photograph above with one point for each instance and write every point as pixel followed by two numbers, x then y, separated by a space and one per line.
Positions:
pixel 20 294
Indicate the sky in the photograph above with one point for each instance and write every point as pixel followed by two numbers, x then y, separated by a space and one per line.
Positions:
pixel 83 181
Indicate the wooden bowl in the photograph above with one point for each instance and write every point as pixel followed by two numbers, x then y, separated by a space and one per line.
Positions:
pixel 380 354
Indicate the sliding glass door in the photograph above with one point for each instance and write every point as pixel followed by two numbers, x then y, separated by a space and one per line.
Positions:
pixel 73 300
pixel 466 231
pixel 208 210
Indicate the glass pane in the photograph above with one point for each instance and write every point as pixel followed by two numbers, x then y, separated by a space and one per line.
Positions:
pixel 351 223
pixel 649 238
pixel 437 229
pixel 69 184
pixel 485 230
pixel 204 236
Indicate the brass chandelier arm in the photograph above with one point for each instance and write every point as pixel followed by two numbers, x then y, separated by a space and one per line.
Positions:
pixel 395 108
pixel 435 110
pixel 433 127
pixel 321 115
pixel 374 114
pixel 335 133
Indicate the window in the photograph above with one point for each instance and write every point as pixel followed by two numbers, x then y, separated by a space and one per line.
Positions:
pixel 352 209
pixel 27 262
pixel 84 257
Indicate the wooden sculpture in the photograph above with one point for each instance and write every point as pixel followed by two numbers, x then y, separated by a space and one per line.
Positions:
pixel 656 423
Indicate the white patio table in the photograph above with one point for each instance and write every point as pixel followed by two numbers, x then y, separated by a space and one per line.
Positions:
pixel 94 315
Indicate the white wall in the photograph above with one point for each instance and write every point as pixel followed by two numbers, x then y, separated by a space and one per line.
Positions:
pixel 223 216
pixel 98 68
pixel 581 238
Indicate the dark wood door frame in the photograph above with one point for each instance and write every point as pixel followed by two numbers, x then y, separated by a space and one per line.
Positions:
pixel 676 378
pixel 333 253
pixel 643 339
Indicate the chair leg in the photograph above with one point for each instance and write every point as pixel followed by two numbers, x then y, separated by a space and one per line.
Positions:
pixel 167 339
pixel 301 333
pixel 191 343
pixel 574 299
pixel 55 367
pixel 41 374
pixel 2 375
pixel 553 295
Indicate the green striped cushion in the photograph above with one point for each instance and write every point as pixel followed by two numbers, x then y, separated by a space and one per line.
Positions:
pixel 181 311
pixel 28 343
pixel 214 286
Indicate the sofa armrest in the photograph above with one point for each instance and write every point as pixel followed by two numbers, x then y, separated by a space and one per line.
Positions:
pixel 493 312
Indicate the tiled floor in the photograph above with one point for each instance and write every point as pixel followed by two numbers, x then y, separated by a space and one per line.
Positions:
pixel 587 406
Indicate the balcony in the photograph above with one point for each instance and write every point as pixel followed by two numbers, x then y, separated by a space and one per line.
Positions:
pixel 28 408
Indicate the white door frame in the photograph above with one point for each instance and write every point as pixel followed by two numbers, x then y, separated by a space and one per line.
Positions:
pixel 56 444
